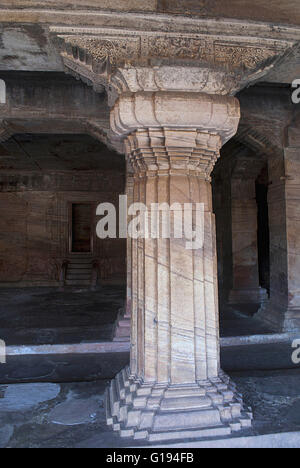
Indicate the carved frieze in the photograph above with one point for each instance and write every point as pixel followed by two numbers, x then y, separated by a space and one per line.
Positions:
pixel 118 50
pixel 160 61
pixel 114 51
pixel 243 57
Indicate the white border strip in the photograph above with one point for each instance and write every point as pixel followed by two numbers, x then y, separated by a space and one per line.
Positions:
pixel 274 338
pixel 81 348
pixel 124 347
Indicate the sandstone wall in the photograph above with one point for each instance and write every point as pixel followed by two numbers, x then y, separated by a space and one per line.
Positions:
pixel 34 231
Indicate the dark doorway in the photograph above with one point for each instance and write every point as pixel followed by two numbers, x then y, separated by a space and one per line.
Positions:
pixel 81 228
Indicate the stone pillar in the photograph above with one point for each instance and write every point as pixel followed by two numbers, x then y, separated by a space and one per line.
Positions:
pixel 246 288
pixel 174 387
pixel 129 193
pixel 123 324
pixel 292 200
pixel 282 312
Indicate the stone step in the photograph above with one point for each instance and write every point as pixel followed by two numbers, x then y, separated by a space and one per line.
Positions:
pixel 80 260
pixel 188 434
pixel 198 418
pixel 120 386
pixel 79 270
pixel 185 403
pixel 78 276
pixel 124 323
pixel 114 399
pixel 109 417
pixel 78 282
pixel 122 332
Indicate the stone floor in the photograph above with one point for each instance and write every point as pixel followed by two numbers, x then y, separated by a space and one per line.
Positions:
pixel 239 320
pixel 104 365
pixel 72 414
pixel 32 316
pixel 59 402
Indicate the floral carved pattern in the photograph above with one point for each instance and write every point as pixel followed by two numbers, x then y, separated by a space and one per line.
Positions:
pixel 238 56
pixel 180 47
pixel 103 50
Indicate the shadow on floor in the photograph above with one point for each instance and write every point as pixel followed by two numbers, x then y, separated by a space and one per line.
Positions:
pixel 35 316
pixel 241 321
pixel 72 414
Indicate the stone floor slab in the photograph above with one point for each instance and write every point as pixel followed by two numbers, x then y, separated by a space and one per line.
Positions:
pixel 271 394
pixel 6 433
pixel 73 413
pixel 22 397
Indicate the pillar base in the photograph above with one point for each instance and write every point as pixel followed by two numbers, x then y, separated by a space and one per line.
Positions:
pixel 160 412
pixel 122 327
pixel 248 296
pixel 280 318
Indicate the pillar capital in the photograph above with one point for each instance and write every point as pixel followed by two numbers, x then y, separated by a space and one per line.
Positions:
pixel 171 132
pixel 172 151
pixel 214 114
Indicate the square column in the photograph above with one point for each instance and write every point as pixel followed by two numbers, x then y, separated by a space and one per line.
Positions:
pixel 246 288
pixel 282 311
pixel 123 323
pixel 175 388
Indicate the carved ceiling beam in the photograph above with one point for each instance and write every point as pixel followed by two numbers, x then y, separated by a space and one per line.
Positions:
pixel 131 61
pixel 257 140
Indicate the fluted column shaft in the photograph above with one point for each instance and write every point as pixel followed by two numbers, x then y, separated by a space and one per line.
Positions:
pixel 175 331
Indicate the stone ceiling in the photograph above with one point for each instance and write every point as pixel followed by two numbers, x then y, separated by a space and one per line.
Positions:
pixel 24 25
pixel 276 11
pixel 57 153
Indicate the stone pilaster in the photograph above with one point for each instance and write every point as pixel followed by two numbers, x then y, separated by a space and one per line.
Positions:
pixel 282 311
pixel 123 325
pixel 292 200
pixel 174 387
pixel 246 288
